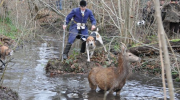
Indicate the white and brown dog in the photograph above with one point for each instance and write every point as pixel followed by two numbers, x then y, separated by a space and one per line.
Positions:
pixel 91 43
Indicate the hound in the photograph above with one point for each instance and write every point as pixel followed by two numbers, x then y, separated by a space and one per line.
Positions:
pixel 4 51
pixel 91 43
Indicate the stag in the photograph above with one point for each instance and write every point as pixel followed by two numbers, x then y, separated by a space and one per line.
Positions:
pixel 112 79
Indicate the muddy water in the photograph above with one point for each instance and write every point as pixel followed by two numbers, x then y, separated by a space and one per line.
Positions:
pixel 26 75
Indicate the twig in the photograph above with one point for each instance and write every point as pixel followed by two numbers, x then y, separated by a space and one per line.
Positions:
pixel 54 9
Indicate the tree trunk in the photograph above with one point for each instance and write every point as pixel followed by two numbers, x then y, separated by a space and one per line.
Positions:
pixel 161 33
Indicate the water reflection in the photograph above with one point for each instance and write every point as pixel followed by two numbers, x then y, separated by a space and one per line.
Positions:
pixel 27 77
pixel 133 90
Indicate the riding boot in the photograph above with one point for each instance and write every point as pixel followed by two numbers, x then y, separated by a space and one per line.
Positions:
pixel 66 51
pixel 83 47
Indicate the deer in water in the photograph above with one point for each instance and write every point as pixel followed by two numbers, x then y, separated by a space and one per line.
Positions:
pixel 112 79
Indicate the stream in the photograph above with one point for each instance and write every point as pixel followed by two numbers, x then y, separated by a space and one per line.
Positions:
pixel 26 75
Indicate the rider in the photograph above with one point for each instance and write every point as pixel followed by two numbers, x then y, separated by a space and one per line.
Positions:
pixel 78 27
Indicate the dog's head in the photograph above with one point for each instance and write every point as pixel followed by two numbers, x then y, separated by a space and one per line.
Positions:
pixel 141 23
pixel 5 51
pixel 90 41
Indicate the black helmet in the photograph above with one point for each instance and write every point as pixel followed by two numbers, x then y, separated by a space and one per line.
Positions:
pixel 82 3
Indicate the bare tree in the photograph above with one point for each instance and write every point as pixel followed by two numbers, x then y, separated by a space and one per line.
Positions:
pixel 163 43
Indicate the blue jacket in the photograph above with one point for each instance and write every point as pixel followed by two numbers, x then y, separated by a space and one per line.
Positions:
pixel 77 16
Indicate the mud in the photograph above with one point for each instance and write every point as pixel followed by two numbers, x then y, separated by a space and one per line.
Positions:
pixel 8 94
pixel 78 63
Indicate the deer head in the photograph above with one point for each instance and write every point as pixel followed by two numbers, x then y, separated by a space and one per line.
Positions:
pixel 128 55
